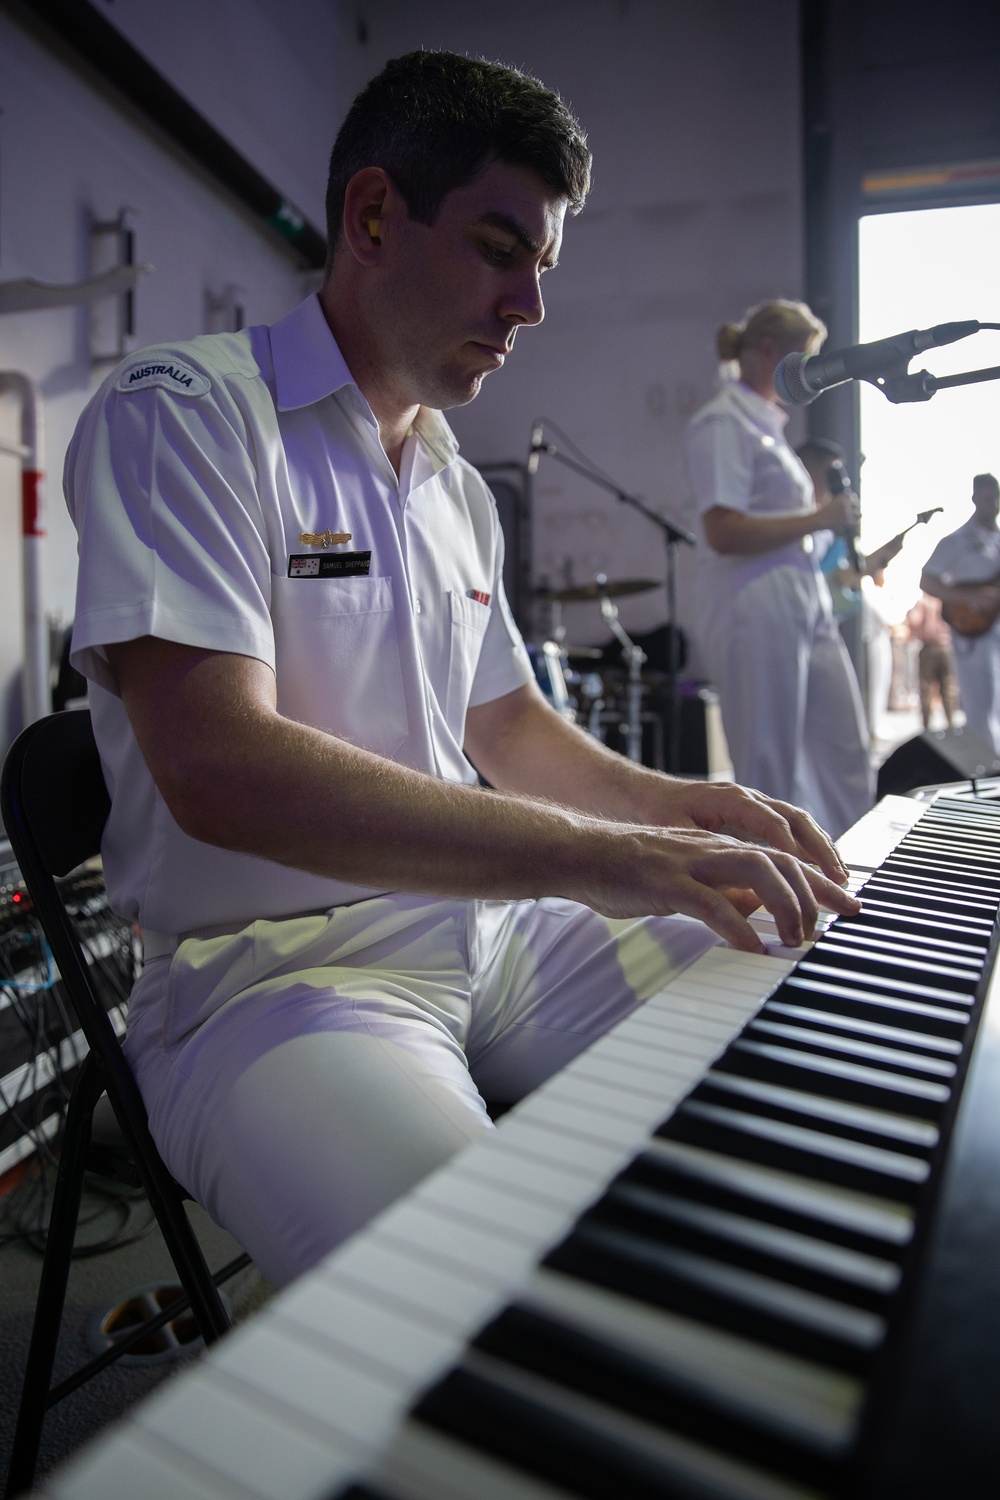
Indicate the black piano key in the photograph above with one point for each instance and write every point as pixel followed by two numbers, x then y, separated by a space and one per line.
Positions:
pixel 883 906
pixel 797 1067
pixel 873 1226
pixel 914 876
pixel 573 1442
pixel 756 1307
pixel 877 944
pixel 618 1377
pixel 796 1149
pixel 824 967
pixel 873 1127
pixel 867 1049
pixel 834 1022
pixel 855 957
pixel 788 1256
pixel 869 931
pixel 864 1003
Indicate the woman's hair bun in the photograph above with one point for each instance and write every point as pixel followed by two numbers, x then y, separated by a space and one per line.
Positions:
pixel 729 340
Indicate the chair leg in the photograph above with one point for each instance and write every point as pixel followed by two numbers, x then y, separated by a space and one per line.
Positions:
pixel 189 1262
pixel 55 1275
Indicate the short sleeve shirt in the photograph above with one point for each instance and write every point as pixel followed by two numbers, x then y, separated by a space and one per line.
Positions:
pixel 232 493
pixel 969 555
pixel 736 456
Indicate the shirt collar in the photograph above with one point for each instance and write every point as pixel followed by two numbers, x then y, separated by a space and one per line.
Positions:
pixel 308 366
pixel 765 413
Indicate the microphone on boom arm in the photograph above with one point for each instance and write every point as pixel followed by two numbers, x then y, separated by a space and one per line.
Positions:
pixel 800 378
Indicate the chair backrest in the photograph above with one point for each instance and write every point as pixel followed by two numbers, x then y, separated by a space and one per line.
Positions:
pixel 54 792
pixel 55 804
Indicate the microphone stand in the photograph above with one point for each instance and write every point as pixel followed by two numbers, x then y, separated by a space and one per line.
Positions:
pixel 672 535
pixel 922 385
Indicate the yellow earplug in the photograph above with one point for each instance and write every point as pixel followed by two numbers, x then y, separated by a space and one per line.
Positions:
pixel 373 229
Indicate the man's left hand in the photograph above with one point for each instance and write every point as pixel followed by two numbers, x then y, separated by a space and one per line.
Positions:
pixel 723 807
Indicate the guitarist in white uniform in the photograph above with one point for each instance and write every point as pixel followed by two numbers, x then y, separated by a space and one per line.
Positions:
pixel 963 572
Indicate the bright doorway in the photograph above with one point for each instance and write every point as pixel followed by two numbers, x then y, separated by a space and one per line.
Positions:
pixel 916 269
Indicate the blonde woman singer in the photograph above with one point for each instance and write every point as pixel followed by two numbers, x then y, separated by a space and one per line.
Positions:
pixel 789 696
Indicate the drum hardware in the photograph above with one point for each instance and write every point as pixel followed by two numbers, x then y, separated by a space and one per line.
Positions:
pixel 672 535
pixel 633 656
pixel 611 588
pixel 546 658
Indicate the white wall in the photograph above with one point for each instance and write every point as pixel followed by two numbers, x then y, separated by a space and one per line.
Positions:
pixel 693 117
pixel 263 73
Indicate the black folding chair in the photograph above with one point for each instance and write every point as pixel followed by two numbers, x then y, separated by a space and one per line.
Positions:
pixel 55 804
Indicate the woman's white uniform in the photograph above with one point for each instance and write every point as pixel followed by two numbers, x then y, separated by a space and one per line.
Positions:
pixel 765 629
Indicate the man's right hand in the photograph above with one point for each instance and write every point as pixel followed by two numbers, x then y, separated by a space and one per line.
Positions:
pixel 840 513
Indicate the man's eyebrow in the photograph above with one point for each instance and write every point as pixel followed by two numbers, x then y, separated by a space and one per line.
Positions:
pixel 513 227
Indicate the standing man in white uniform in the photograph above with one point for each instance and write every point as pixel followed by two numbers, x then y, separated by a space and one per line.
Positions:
pixel 292 616
pixel 789 697
pixel 964 570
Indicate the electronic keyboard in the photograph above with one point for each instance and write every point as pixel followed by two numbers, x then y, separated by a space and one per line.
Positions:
pixel 745 1247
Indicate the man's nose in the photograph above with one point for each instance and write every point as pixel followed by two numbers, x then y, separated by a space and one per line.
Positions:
pixel 524 304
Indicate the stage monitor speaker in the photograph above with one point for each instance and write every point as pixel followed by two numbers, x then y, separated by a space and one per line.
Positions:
pixel 937 756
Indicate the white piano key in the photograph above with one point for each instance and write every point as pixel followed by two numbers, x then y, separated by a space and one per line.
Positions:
pixel 645 1112
pixel 605 1072
pixel 871 840
pixel 453 1299
pixel 524 1135
pixel 306 1378
pixel 129 1463
pixel 549 1110
pixel 406 1343
pixel 504 1209
pixel 537 1179
pixel 865 1213
pixel 458 1243
pixel 793 1394
pixel 263 1454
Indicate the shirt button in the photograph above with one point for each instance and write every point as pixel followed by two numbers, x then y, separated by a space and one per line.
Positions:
pixel 417 606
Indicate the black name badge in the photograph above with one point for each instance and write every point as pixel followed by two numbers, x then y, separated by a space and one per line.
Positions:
pixel 329 565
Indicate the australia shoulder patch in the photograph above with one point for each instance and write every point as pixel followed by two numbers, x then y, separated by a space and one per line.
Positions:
pixel 169 373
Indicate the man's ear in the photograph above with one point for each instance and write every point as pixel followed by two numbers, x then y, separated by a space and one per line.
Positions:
pixel 368 199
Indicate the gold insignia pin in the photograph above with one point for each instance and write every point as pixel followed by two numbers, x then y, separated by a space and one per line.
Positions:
pixel 324 538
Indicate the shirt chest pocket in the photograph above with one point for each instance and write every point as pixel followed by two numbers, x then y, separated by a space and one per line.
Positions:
pixel 337 658
pixel 469 619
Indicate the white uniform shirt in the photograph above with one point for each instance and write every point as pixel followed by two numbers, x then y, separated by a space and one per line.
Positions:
pixel 736 455
pixel 969 555
pixel 191 477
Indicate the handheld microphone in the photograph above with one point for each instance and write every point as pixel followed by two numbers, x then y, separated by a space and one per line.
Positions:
pixel 839 483
pixel 800 378
pixel 536 449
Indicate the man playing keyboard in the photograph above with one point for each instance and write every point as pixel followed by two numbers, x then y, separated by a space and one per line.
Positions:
pixel 291 613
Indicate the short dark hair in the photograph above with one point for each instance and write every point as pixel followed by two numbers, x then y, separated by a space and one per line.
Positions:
pixel 433 120
pixel 820 448
pixel 979 481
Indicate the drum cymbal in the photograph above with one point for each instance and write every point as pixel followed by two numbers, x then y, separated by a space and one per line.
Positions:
pixel 612 588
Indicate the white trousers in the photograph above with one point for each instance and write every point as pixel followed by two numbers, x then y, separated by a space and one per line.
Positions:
pixel 977 666
pixel 300 1075
pixel 790 702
